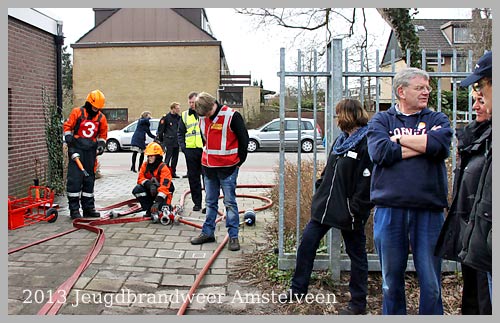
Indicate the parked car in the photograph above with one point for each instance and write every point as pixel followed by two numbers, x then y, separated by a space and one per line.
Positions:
pixel 120 139
pixel 268 135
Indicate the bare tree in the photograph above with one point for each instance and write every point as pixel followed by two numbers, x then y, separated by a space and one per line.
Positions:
pixel 480 30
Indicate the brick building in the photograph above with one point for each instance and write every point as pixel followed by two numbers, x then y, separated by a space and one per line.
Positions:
pixel 34 49
pixel 146 58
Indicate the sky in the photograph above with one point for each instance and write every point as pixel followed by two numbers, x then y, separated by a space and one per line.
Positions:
pixel 248 50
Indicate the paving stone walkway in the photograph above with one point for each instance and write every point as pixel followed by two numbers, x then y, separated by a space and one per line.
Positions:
pixel 143 268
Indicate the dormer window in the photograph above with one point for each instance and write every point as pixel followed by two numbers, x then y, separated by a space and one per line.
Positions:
pixel 461 35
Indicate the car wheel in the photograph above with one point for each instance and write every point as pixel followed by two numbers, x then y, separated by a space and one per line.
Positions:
pixel 307 146
pixel 252 145
pixel 112 145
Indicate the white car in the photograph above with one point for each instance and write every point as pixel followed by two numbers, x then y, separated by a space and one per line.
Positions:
pixel 268 135
pixel 120 139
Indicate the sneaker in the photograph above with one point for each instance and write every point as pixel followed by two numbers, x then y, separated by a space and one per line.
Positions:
pixel 204 210
pixel 196 208
pixel 75 214
pixel 349 310
pixel 91 213
pixel 202 238
pixel 234 244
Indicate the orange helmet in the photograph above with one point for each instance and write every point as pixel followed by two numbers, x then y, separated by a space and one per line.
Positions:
pixel 153 148
pixel 96 98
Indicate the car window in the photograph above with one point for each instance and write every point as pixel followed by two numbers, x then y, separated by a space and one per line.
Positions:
pixel 291 125
pixel 274 126
pixel 306 125
pixel 153 125
pixel 131 128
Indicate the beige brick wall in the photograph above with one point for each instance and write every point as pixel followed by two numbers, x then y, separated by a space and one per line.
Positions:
pixel 251 102
pixel 145 78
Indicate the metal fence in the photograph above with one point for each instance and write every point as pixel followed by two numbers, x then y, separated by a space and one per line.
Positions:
pixel 337 77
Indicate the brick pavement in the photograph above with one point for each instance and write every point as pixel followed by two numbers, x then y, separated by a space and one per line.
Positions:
pixel 143 268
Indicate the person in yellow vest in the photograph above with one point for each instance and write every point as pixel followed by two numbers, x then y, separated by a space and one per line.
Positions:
pixel 191 145
pixel 226 141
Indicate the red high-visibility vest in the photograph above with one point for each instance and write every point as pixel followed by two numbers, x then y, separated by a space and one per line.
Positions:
pixel 221 143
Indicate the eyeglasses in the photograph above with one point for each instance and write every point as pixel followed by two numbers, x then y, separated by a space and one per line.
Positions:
pixel 479 85
pixel 421 88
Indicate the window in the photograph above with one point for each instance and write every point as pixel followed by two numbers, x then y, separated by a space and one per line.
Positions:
pixel 231 98
pixel 434 60
pixel 275 126
pixel 461 35
pixel 291 125
pixel 462 64
pixel 116 115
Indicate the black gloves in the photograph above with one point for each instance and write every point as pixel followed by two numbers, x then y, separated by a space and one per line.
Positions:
pixel 100 148
pixel 69 139
pixel 159 202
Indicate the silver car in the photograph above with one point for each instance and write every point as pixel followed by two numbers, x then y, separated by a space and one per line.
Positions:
pixel 268 135
pixel 120 139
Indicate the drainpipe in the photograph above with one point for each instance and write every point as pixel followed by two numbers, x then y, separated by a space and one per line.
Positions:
pixel 59 38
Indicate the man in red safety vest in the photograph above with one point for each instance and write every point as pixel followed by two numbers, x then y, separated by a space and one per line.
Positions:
pixel 226 140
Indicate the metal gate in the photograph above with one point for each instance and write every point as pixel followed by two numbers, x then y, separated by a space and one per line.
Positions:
pixel 337 88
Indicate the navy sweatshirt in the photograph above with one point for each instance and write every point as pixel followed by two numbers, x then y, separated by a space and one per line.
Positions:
pixel 417 182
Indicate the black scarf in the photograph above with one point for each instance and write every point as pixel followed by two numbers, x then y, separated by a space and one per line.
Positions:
pixel 90 112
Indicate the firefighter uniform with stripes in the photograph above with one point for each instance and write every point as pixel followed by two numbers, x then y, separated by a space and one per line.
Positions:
pixel 85 133
pixel 154 183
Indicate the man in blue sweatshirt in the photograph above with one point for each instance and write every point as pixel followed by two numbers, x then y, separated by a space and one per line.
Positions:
pixel 408 145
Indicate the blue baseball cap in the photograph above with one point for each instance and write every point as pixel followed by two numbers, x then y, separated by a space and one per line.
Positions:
pixel 482 69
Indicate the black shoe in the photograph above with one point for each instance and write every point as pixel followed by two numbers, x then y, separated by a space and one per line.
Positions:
pixel 196 208
pixel 133 169
pixel 147 214
pixel 202 238
pixel 234 244
pixel 349 310
pixel 75 214
pixel 204 210
pixel 175 176
pixel 185 176
pixel 290 297
pixel 91 213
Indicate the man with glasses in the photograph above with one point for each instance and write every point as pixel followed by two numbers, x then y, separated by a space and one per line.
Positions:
pixel 408 145
pixel 476 242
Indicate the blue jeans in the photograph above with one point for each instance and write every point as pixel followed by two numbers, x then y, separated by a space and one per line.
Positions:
pixel 213 186
pixel 355 242
pixel 394 231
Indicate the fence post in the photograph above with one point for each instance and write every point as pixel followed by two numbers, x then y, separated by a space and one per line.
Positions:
pixel 334 96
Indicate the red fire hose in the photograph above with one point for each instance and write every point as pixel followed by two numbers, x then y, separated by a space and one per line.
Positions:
pixel 58 297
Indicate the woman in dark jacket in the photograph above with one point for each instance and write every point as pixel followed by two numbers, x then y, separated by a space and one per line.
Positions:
pixel 138 143
pixel 342 201
pixel 474 141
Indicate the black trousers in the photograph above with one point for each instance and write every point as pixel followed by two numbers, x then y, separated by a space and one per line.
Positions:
pixel 171 158
pixel 193 163
pixel 355 243
pixel 475 295
pixel 78 186
pixel 144 197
